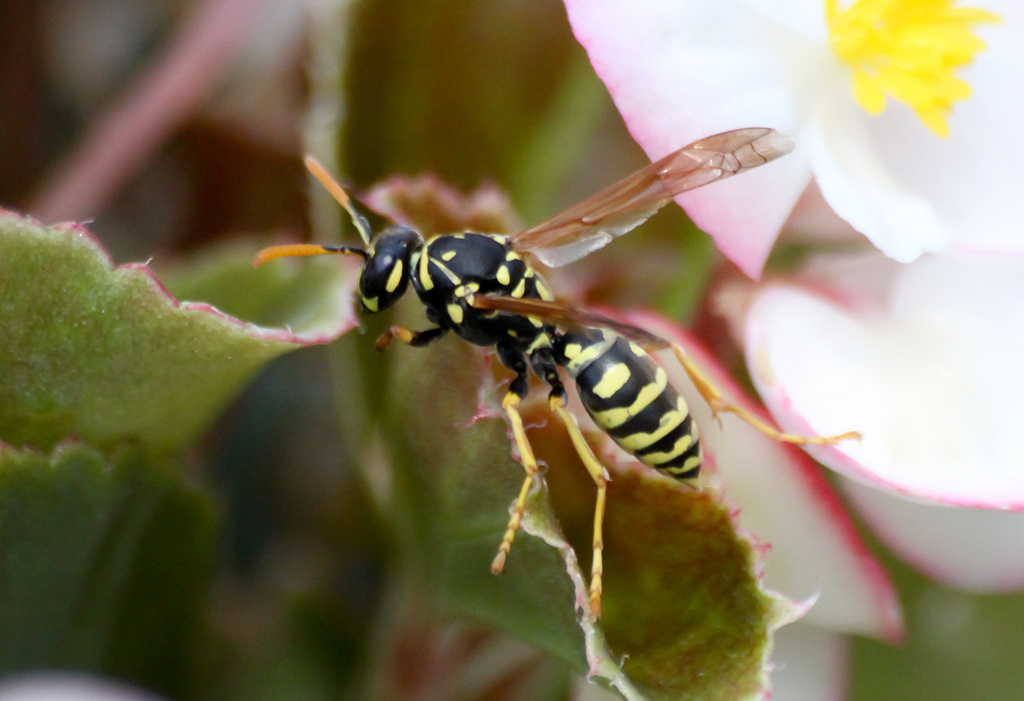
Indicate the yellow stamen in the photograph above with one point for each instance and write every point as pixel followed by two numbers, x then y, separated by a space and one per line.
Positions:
pixel 907 49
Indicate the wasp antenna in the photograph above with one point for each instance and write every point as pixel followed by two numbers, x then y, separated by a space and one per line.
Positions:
pixel 339 194
pixel 302 249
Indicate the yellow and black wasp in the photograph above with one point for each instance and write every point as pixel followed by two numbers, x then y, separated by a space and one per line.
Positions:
pixel 484 288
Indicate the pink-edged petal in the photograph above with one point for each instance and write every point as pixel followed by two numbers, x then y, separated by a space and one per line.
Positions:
pixel 972 549
pixel 926 368
pixel 786 503
pixel 811 664
pixel 681 71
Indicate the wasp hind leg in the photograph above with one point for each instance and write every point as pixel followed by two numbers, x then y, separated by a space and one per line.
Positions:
pixel 600 477
pixel 719 406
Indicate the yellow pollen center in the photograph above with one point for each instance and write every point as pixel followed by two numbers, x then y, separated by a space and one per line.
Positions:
pixel 907 49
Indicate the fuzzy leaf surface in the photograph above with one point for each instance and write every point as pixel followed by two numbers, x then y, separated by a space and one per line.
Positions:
pixel 105 354
pixel 684 613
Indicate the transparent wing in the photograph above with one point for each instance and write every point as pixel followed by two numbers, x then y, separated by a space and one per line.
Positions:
pixel 562 314
pixel 593 223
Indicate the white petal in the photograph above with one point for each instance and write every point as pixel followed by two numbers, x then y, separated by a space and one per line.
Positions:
pixel 785 503
pixel 682 70
pixel 931 378
pixel 857 182
pixel 811 664
pixel 973 549
pixel 679 71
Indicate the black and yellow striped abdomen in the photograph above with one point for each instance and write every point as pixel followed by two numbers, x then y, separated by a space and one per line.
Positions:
pixel 629 397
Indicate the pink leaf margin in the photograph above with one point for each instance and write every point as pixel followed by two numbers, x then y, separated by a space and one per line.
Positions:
pixel 344 322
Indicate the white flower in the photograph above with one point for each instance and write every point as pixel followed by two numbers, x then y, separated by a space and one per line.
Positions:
pixel 822 73
pixel 923 360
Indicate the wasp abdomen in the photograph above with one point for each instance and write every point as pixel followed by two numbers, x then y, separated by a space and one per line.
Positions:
pixel 629 397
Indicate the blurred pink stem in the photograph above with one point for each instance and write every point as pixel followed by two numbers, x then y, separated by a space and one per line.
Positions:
pixel 166 93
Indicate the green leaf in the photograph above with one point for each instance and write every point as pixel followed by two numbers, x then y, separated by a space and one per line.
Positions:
pixel 313 299
pixel 684 614
pixel 453 482
pixel 685 610
pixel 104 565
pixel 105 354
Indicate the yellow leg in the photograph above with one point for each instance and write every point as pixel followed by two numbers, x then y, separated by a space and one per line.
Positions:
pixel 407 336
pixel 510 404
pixel 718 406
pixel 600 476
pixel 400 332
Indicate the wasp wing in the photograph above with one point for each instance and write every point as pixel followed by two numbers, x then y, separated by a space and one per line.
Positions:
pixel 593 223
pixel 562 314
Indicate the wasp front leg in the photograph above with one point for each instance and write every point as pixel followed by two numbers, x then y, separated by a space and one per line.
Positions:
pixel 719 406
pixel 514 360
pixel 408 336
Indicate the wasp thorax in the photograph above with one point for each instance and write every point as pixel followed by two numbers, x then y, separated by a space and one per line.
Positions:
pixel 385 274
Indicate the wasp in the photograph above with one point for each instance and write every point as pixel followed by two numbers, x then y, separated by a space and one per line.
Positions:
pixel 486 289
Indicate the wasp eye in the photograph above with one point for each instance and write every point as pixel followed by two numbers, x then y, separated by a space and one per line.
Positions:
pixel 385 274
